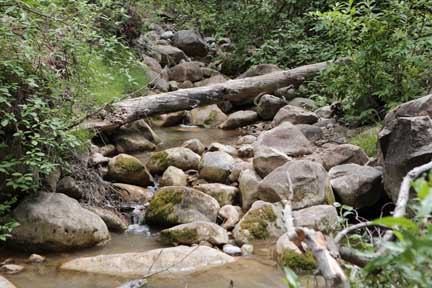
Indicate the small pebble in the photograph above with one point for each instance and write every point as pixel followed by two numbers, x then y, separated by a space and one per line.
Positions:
pixel 35 258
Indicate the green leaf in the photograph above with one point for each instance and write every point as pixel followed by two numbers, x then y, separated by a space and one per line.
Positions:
pixel 393 222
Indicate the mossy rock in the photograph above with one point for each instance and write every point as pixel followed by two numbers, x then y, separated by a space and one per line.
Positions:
pixel 128 169
pixel 179 236
pixel 298 262
pixel 180 157
pixel 194 233
pixel 174 205
pixel 260 223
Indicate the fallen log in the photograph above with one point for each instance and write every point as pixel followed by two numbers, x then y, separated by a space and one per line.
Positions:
pixel 129 110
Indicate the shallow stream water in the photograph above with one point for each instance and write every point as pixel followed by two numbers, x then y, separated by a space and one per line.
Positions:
pixel 256 271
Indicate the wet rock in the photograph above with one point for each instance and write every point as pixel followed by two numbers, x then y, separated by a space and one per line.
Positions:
pixel 247 250
pixel 239 119
pixel 128 169
pixel 223 148
pixel 247 139
pixel 320 218
pixel 308 180
pixel 186 71
pixel 4 283
pixel 179 205
pixel 195 145
pixel 246 151
pixel 210 81
pixel 343 154
pixel 191 42
pixel 133 194
pixel 267 159
pixel 207 116
pixel 56 222
pixel 269 105
pixel 324 112
pixel 248 184
pixel 171 119
pixel 259 69
pixel 224 194
pixel 133 143
pixel 169 55
pixel 237 168
pixel 139 264
pixel 357 186
pixel 230 215
pixel 68 186
pixel 216 166
pixel 286 138
pixel 304 103
pixel 263 221
pixel 194 233
pixel 232 250
pixel 295 115
pixel 404 142
pixel 180 157
pixel 311 132
pixel 173 177
pixel 113 220
pixel 11 268
pixel 36 259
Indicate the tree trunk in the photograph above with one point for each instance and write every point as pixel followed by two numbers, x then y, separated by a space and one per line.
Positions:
pixel 133 109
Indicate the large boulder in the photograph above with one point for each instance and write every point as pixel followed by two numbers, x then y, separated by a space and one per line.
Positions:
pixel 169 55
pixel 180 157
pixel 260 69
pixel 334 155
pixel 224 194
pixel 56 222
pixel 186 71
pixel 267 159
pixel 179 205
pixel 311 132
pixel 141 264
pixel 216 166
pixel 248 184
pixel 405 141
pixel 268 105
pixel 194 233
pixel 286 138
pixel 263 221
pixel 321 218
pixel 239 119
pixel 128 169
pixel 355 185
pixel 191 42
pixel 308 180
pixel 295 115
pixel 133 143
pixel 207 116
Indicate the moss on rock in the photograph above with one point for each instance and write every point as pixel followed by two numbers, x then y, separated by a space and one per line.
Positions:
pixel 161 209
pixel 182 236
pixel 158 161
pixel 298 262
pixel 257 222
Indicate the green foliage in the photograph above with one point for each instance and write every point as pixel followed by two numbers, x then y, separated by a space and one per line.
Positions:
pixel 277 32
pixel 367 140
pixel 388 44
pixel 58 60
pixel 407 262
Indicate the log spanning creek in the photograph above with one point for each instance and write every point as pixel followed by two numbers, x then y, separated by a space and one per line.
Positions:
pixel 258 270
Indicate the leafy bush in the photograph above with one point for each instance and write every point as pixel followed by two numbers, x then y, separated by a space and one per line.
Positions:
pixel 58 59
pixel 367 140
pixel 388 44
